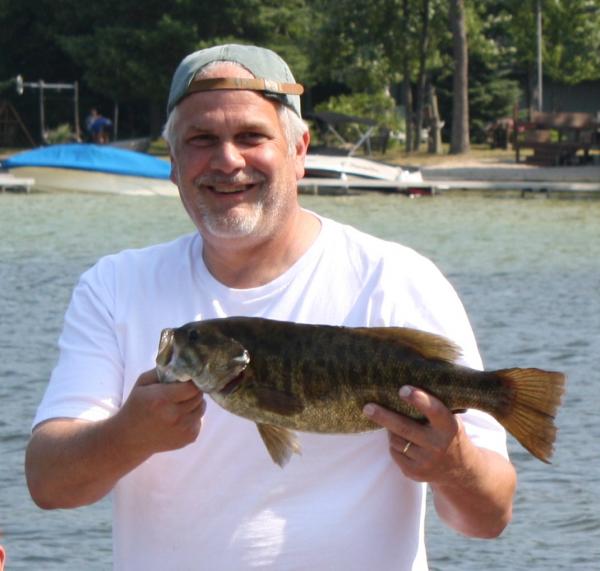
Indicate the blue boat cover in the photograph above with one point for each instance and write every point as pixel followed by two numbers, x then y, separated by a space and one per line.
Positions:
pixel 84 156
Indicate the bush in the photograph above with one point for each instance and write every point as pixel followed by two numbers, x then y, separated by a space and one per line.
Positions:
pixel 61 134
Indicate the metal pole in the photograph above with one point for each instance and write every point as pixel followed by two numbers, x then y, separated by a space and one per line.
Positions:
pixel 76 103
pixel 42 114
pixel 540 98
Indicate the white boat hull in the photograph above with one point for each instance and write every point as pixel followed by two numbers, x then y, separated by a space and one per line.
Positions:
pixel 50 179
pixel 348 172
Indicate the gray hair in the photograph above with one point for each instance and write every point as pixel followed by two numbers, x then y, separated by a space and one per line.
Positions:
pixel 293 126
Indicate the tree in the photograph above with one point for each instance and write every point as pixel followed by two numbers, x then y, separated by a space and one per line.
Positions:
pixel 460 142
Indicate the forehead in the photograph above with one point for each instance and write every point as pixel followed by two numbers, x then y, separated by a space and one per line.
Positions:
pixel 226 108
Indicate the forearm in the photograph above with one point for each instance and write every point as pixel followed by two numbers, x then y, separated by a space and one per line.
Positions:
pixel 71 463
pixel 477 501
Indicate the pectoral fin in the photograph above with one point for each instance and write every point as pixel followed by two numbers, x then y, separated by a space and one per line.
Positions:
pixel 276 401
pixel 280 442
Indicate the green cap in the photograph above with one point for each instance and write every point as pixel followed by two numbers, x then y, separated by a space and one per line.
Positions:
pixel 272 75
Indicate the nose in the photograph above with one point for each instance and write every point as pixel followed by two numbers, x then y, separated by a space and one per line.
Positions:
pixel 227 158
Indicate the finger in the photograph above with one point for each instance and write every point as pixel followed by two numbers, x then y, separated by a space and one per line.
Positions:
pixel 395 423
pixel 401 447
pixel 438 415
pixel 182 392
pixel 194 405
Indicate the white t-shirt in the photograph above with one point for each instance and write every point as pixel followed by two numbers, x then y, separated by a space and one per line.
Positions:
pixel 221 503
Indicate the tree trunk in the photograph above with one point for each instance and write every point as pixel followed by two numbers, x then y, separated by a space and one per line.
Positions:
pixel 406 88
pixel 459 142
pixel 421 82
pixel 435 124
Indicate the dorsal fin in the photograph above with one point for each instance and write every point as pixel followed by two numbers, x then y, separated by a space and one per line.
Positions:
pixel 428 345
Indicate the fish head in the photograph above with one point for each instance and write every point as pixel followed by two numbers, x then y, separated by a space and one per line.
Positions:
pixel 200 353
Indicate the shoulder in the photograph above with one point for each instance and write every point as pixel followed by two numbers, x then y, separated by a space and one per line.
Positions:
pixel 134 272
pixel 369 253
pixel 147 259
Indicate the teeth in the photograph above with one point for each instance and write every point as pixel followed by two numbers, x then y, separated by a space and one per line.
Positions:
pixel 231 190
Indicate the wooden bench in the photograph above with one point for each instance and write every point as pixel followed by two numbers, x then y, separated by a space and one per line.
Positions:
pixel 556 138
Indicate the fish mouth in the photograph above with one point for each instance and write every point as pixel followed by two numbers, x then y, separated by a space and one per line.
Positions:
pixel 240 362
pixel 233 385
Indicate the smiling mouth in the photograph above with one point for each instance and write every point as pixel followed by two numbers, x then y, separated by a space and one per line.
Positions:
pixel 226 189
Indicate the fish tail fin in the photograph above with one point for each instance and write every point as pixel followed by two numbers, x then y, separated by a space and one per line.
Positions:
pixel 536 396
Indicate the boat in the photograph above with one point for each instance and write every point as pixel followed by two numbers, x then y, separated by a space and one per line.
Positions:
pixel 85 167
pixel 333 169
pixel 326 173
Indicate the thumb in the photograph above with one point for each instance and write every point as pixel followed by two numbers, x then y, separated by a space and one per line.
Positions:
pixel 148 378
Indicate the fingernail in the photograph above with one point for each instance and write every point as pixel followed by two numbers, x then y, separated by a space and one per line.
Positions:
pixel 369 410
pixel 405 391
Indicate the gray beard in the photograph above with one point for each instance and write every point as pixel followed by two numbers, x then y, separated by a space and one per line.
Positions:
pixel 233 225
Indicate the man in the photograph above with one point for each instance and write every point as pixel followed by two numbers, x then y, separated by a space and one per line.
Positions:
pixel 193 487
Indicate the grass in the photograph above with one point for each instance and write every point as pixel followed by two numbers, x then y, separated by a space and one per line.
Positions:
pixel 478 153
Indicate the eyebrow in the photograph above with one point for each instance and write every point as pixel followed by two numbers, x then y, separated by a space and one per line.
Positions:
pixel 250 125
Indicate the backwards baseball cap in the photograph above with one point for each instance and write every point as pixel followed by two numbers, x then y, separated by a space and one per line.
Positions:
pixel 272 76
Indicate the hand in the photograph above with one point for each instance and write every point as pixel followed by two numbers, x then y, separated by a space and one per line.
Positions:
pixel 472 487
pixel 162 416
pixel 434 453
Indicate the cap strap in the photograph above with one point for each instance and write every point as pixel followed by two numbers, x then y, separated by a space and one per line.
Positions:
pixel 253 84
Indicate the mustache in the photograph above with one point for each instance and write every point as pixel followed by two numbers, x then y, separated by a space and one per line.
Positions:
pixel 249 176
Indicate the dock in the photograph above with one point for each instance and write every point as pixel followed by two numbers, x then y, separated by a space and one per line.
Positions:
pixel 439 186
pixel 10 183
pixel 576 181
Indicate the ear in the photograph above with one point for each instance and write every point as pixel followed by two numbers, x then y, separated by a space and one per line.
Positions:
pixel 301 150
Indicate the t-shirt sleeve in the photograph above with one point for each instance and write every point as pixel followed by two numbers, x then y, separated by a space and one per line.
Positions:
pixel 87 380
pixel 436 307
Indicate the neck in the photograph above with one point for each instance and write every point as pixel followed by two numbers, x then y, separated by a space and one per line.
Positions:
pixel 244 263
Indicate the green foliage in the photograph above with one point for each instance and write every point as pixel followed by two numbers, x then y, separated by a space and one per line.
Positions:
pixel 126 50
pixel 61 134
pixel 570 33
pixel 380 107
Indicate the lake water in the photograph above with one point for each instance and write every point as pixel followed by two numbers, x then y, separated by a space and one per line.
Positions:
pixel 528 271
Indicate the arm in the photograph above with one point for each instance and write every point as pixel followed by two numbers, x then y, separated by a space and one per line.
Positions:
pixel 473 488
pixel 71 463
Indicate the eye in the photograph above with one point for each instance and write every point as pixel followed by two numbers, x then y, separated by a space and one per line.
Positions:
pixel 193 335
pixel 252 138
pixel 202 139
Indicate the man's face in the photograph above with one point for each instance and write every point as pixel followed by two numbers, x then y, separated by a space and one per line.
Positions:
pixel 232 164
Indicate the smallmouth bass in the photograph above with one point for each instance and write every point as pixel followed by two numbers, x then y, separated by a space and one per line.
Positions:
pixel 317 378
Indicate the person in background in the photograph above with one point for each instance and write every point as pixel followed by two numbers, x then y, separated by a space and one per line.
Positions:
pixel 98 127
pixel 192 485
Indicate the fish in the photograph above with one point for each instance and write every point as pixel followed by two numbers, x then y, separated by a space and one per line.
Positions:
pixel 289 377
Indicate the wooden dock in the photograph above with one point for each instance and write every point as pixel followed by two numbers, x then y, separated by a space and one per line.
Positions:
pixel 439 186
pixel 10 183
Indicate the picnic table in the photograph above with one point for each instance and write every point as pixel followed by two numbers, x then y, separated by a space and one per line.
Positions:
pixel 557 138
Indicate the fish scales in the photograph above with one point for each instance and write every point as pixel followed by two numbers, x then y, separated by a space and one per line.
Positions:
pixel 333 372
pixel 317 378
